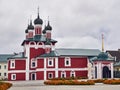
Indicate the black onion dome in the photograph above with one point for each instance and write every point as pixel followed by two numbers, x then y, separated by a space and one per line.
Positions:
pixel 44 30
pixel 103 55
pixel 38 20
pixel 30 26
pixel 26 31
pixel 48 27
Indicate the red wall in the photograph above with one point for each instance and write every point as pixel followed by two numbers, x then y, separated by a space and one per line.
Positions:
pixel 81 73
pixel 40 63
pixel 19 76
pixel 75 63
pixel 36 52
pixel 40 75
pixel 19 65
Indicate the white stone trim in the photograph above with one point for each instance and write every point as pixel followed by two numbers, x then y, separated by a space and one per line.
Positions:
pixel 61 69
pixel 12 64
pixel 72 73
pixel 32 74
pixel 33 60
pixel 45 75
pixel 17 71
pixel 56 67
pixel 27 61
pixel 50 60
pixel 63 72
pixel 13 76
pixel 51 75
pixel 67 59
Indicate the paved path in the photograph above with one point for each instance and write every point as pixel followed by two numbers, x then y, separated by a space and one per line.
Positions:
pixel 38 85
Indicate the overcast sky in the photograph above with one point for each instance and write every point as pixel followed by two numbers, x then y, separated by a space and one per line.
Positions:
pixel 75 23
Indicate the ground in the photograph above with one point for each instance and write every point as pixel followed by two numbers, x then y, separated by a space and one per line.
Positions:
pixel 38 85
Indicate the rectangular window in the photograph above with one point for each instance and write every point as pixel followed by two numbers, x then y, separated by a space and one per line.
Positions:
pixel 50 61
pixel 0 66
pixel 50 75
pixel 13 76
pixel 0 74
pixel 33 63
pixel 12 64
pixel 4 74
pixel 72 74
pixel 67 61
pixel 63 74
pixel 4 66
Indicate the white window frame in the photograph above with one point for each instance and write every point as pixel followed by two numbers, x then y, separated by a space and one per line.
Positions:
pixel 69 60
pixel 12 62
pixel 51 75
pixel 63 72
pixel 13 75
pixel 72 72
pixel 50 60
pixel 33 61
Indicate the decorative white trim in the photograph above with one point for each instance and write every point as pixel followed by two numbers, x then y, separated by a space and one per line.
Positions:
pixel 50 62
pixel 63 73
pixel 12 64
pixel 51 75
pixel 27 61
pixel 56 67
pixel 61 69
pixel 45 75
pixel 33 74
pixel 67 61
pixel 17 71
pixel 33 61
pixel 72 74
pixel 13 76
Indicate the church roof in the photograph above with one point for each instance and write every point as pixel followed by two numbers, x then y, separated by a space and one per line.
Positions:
pixel 40 38
pixel 72 52
pixel 102 56
pixel 4 57
pixel 114 53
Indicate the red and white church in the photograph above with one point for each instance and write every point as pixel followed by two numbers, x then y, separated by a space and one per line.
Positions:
pixel 40 60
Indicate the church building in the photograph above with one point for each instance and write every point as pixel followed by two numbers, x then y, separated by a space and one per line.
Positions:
pixel 41 60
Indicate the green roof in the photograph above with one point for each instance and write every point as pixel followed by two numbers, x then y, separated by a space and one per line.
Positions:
pixel 102 56
pixel 4 57
pixel 72 52
pixel 38 38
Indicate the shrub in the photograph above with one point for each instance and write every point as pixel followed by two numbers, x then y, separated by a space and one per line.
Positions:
pixel 112 81
pixel 69 82
pixel 5 85
pixel 99 80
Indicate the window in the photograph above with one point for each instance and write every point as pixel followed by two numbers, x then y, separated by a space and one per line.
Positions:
pixel 12 64
pixel 50 61
pixel 4 74
pixel 63 74
pixel 67 61
pixel 0 66
pixel 4 66
pixel 13 76
pixel 50 75
pixel 0 74
pixel 72 74
pixel 33 63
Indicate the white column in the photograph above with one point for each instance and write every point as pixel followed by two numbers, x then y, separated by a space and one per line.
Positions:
pixel 45 75
pixel 27 61
pixel 56 67
pixel 99 71
pixel 111 70
pixel 89 66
